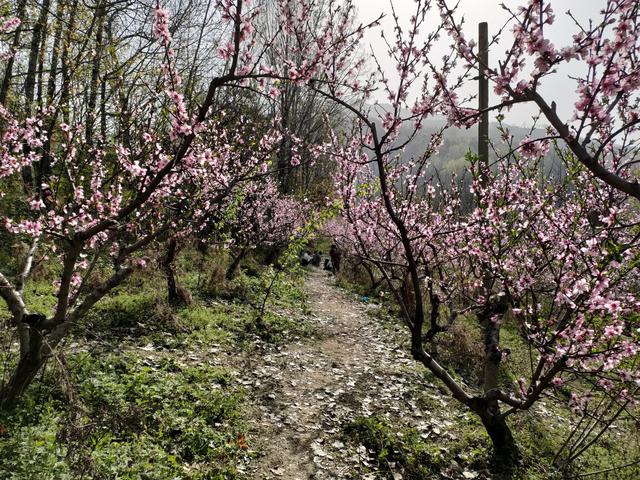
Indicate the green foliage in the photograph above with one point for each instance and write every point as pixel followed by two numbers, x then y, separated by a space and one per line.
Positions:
pixel 133 460
pixel 124 310
pixel 230 312
pixel 40 296
pixel 31 451
pixel 133 418
pixel 235 323
pixel 396 448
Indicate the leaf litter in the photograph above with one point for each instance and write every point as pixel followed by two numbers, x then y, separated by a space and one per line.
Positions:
pixel 305 393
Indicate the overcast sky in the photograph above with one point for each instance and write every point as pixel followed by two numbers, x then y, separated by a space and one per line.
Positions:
pixel 559 87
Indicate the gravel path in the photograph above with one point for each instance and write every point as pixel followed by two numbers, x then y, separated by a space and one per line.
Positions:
pixel 308 391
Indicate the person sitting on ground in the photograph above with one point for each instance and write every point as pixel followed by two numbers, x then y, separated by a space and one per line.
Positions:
pixel 316 259
pixel 305 259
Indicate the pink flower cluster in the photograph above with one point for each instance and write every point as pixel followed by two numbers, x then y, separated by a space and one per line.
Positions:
pixel 161 27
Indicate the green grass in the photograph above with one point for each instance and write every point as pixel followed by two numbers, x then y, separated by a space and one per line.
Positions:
pixel 235 324
pixel 129 418
pixel 539 433
pixel 162 412
pixel 40 296
pixel 461 447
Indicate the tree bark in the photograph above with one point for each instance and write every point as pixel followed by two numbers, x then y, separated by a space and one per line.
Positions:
pixel 31 353
pixel 284 154
pixel 233 269
pixel 66 62
pixel 34 51
pixel 55 54
pixel 41 59
pixel 26 370
pixel 372 277
pixel 177 296
pixel 8 73
pixel 95 74
pixel 492 354
pixel 44 166
pixel 31 174
pixel 504 446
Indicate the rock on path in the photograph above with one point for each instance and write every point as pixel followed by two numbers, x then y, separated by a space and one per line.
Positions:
pixel 306 392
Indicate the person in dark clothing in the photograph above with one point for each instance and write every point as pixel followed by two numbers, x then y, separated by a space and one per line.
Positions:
pixel 328 265
pixel 335 255
pixel 305 259
pixel 317 258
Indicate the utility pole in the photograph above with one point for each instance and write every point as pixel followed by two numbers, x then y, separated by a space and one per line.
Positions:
pixel 490 328
pixel 483 93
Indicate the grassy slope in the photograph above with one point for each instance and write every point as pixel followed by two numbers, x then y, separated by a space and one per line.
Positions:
pixel 463 442
pixel 144 392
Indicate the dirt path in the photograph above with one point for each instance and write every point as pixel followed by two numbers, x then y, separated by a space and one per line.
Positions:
pixel 307 392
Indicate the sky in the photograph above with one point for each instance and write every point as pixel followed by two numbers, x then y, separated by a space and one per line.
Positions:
pixel 559 88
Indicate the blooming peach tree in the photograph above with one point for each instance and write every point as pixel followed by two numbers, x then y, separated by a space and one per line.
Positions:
pixel 557 259
pixel 100 211
pixel 260 217
pixel 602 128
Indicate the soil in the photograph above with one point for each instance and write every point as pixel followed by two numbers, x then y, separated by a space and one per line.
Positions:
pixel 307 392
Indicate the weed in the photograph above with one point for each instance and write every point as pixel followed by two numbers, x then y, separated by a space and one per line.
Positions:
pixel 138 419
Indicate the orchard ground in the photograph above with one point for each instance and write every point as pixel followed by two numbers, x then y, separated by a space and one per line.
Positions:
pixel 324 388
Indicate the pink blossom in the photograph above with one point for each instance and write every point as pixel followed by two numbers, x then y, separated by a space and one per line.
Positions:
pixel 530 148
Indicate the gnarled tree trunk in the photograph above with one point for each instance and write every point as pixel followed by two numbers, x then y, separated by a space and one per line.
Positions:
pixel 28 367
pixel 504 446
pixel 176 294
pixel 234 268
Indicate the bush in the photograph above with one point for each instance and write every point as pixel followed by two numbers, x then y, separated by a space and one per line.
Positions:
pixel 461 347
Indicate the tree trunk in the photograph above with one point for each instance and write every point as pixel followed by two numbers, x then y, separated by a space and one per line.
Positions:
pixel 26 370
pixel 124 116
pixel 95 75
pixel 501 437
pixel 28 367
pixel 65 88
pixel 504 446
pixel 8 73
pixel 31 173
pixel 233 269
pixel 492 353
pixel 169 271
pixel 44 167
pixel 407 293
pixel 176 295
pixel 372 278
pixel 41 59
pixel 284 153
pixel 55 54
pixel 34 50
pixel 505 450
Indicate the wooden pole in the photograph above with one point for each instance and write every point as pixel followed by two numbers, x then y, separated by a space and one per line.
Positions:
pixel 491 329
pixel 483 93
